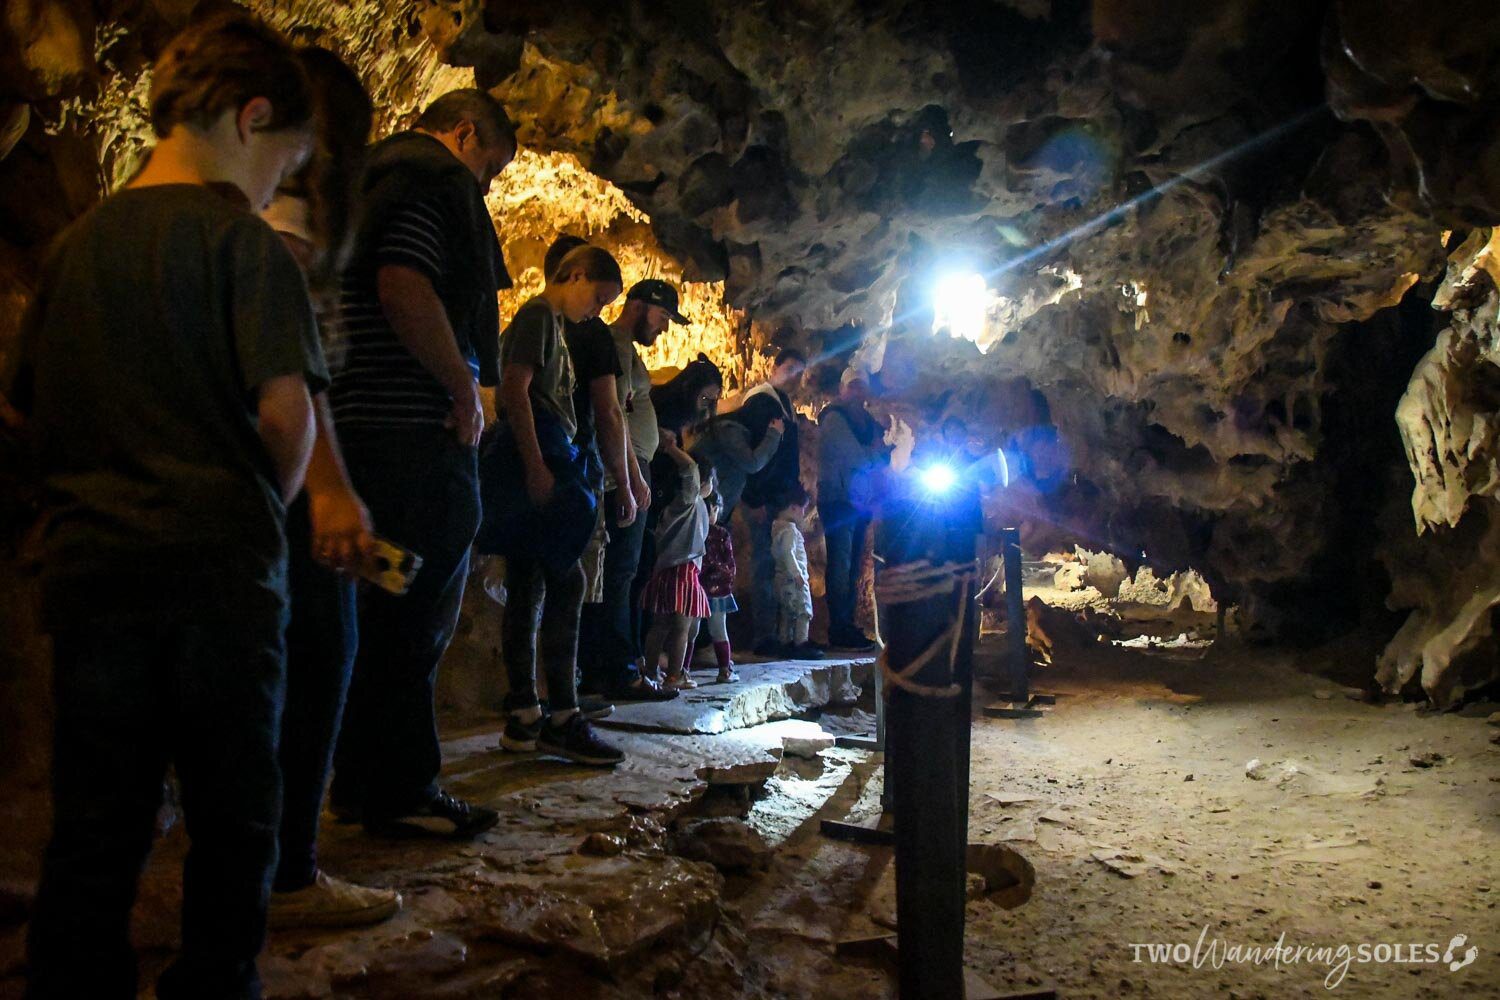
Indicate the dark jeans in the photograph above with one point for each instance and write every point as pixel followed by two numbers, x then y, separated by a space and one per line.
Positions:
pixel 422 489
pixel 640 618
pixel 844 532
pixel 763 603
pixel 612 638
pixel 541 609
pixel 204 694
pixel 320 642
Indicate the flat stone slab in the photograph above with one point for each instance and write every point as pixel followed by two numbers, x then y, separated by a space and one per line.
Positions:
pixel 764 693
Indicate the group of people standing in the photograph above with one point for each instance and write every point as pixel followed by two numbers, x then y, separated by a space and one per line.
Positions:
pixel 266 349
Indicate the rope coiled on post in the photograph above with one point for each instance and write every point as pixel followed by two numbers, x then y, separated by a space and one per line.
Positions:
pixel 918 581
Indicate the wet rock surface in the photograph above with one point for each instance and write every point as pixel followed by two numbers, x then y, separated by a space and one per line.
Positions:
pixel 726 843
pixel 765 692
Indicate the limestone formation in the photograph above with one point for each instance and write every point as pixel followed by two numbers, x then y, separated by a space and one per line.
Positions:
pixel 1208 235
pixel 1450 426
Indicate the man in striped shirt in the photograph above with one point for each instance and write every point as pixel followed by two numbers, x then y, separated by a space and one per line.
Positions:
pixel 420 329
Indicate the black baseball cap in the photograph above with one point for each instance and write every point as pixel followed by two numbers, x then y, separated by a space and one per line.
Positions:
pixel 655 292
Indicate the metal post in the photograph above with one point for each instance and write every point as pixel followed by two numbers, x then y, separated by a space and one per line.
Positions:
pixel 1015 611
pixel 927 740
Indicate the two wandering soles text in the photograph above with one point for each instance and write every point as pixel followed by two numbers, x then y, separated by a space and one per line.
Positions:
pixel 1216 953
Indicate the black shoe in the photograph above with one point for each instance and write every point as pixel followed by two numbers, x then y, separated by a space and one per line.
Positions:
pixel 575 741
pixel 589 706
pixel 595 709
pixel 642 689
pixel 345 813
pixel 853 640
pixel 805 651
pixel 520 737
pixel 444 817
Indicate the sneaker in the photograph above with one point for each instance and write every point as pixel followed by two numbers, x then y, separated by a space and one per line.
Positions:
pixel 332 902
pixel 520 737
pixel 681 681
pixel 727 676
pixel 589 706
pixel 595 709
pixel 805 651
pixel 643 689
pixel 575 740
pixel 443 817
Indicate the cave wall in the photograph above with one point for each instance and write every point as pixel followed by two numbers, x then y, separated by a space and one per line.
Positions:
pixel 1205 229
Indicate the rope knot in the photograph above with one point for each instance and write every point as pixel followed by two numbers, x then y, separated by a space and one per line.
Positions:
pixel 908 583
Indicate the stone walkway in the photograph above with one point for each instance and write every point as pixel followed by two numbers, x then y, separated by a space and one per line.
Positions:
pixel 765 692
pixel 596 883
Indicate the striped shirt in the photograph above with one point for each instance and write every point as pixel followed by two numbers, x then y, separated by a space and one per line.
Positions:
pixel 381 383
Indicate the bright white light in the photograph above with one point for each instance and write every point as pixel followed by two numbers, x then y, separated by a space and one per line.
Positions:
pixel 938 478
pixel 961 303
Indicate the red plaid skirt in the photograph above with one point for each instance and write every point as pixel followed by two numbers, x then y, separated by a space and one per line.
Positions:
pixel 676 591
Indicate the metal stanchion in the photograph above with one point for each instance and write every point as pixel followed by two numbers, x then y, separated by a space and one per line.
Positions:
pixel 1020 702
pixel 1015 610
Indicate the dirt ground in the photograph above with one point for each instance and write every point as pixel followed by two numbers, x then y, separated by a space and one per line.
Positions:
pixel 1134 800
pixel 1361 825
pixel 1370 828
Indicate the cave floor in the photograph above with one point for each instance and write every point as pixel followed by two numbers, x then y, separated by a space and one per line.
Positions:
pixel 1130 799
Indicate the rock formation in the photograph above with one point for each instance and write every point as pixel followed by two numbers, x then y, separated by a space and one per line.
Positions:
pixel 1209 235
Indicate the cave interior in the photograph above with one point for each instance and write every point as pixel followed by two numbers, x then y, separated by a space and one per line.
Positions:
pixel 1221 281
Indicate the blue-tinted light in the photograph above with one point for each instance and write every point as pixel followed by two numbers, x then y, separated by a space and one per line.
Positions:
pixel 938 478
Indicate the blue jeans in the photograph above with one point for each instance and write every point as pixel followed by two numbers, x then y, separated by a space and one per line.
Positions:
pixel 205 694
pixel 844 532
pixel 320 642
pixel 609 638
pixel 422 489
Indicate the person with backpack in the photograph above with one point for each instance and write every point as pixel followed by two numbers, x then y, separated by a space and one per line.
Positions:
pixel 851 458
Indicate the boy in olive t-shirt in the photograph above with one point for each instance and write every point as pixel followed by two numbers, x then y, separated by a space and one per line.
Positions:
pixel 164 373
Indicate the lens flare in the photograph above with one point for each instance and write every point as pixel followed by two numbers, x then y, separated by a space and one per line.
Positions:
pixel 961 303
pixel 938 478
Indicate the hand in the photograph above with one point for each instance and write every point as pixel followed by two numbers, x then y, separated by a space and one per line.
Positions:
pixel 342 534
pixel 625 510
pixel 539 485
pixel 642 494
pixel 466 419
pixel 777 424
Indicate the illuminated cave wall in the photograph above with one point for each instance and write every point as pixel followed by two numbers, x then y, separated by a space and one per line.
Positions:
pixel 542 195
pixel 1213 233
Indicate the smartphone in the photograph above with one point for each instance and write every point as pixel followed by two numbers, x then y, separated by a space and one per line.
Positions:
pixel 390 567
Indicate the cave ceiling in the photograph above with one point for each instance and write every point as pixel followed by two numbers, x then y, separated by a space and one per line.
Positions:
pixel 1188 215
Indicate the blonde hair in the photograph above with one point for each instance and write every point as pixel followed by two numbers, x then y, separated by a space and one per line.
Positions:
pixel 596 263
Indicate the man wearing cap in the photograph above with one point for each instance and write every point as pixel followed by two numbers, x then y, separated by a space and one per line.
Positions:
pixel 613 626
pixel 851 454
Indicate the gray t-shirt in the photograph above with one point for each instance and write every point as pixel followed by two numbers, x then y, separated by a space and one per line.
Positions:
pixel 635 398
pixel 535 337
pixel 159 315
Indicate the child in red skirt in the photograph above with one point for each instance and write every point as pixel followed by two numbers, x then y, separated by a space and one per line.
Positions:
pixel 674 595
pixel 718 582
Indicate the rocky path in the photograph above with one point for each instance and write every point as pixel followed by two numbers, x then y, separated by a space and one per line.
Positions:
pixel 697 869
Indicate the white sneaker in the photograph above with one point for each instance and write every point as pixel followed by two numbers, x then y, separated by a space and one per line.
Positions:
pixel 332 902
